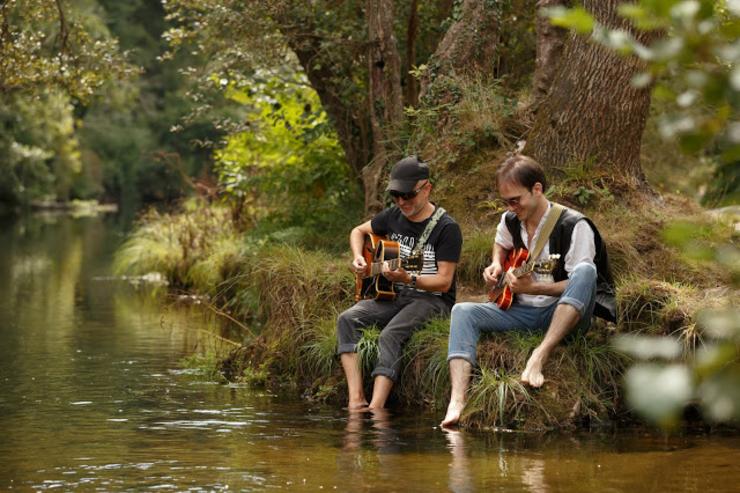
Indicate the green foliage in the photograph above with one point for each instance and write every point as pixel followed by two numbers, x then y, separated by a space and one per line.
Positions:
pixel 320 352
pixel 577 19
pixel 473 115
pixel 499 396
pixel 82 121
pixel 668 378
pixel 476 255
pixel 367 349
pixel 707 242
pixel 426 374
pixel 288 166
pixel 57 56
pixel 207 273
pixel 255 377
pixel 581 183
pixel 39 148
pixel 691 54
pixel 48 45
pixel 204 365
pixel 173 244
pixel 669 169
pixel 148 136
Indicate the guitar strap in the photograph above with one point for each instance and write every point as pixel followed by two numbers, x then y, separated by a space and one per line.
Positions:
pixel 427 231
pixel 555 211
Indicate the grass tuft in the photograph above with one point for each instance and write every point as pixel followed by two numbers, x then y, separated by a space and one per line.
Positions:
pixel 497 398
pixel 319 353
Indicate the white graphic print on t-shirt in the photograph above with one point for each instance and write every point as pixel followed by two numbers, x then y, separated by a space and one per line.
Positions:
pixel 406 245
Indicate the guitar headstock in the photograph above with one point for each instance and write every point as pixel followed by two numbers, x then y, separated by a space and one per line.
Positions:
pixel 413 263
pixel 547 266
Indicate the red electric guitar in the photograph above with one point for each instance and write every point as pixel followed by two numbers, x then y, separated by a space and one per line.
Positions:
pixel 516 262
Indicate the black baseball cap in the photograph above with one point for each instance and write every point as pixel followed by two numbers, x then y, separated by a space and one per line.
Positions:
pixel 406 173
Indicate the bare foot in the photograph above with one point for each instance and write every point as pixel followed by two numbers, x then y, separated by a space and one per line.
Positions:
pixel 354 406
pixel 532 374
pixel 454 410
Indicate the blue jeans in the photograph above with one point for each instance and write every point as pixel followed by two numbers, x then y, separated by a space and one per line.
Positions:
pixel 468 320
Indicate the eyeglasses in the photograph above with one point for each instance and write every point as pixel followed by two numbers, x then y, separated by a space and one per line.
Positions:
pixel 407 195
pixel 513 201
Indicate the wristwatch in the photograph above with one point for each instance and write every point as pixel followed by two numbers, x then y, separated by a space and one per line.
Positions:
pixel 412 283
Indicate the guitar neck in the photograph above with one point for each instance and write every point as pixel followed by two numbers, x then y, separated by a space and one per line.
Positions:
pixel 377 267
pixel 523 269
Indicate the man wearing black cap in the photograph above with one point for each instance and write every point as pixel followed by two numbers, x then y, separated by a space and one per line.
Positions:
pixel 419 298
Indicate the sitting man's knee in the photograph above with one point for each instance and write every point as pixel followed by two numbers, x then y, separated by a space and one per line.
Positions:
pixel 586 272
pixel 461 309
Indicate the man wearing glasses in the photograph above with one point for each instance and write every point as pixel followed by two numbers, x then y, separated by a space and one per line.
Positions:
pixel 559 301
pixel 418 298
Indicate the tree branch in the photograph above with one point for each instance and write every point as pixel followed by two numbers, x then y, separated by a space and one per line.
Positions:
pixel 63 29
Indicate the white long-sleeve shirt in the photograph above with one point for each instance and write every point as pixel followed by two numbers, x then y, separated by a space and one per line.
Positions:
pixel 582 250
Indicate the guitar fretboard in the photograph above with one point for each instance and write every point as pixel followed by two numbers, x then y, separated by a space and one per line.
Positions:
pixel 377 267
pixel 528 267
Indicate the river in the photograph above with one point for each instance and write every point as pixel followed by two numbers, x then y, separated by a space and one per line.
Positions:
pixel 94 396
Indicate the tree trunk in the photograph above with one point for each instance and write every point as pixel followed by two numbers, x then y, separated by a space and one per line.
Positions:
pixel 592 113
pixel 468 46
pixel 411 89
pixel 386 98
pixel 550 42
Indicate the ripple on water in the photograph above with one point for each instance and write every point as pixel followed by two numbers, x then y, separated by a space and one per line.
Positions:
pixel 202 423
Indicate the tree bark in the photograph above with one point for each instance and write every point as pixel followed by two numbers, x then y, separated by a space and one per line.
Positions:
pixel 411 90
pixel 592 113
pixel 468 46
pixel 386 97
pixel 550 43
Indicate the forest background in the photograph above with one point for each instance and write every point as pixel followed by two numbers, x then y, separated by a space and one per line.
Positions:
pixel 280 120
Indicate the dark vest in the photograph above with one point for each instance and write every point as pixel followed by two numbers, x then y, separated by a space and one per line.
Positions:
pixel 605 306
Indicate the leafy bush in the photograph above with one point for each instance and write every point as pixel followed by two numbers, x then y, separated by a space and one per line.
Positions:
pixel 287 166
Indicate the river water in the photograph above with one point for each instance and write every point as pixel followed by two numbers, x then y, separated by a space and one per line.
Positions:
pixel 94 397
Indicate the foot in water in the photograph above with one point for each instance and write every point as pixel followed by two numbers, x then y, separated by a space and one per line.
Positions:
pixel 532 374
pixel 454 410
pixel 358 406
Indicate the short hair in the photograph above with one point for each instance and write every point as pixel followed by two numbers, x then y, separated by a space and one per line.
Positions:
pixel 522 170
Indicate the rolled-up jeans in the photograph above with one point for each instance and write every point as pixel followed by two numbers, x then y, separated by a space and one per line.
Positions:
pixel 469 320
pixel 398 319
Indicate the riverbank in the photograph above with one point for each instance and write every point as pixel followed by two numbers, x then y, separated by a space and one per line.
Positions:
pixel 288 296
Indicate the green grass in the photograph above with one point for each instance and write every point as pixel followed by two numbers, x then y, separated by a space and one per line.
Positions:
pixel 426 376
pixel 367 350
pixel 496 398
pixel 205 366
pixel 476 255
pixel 319 353
pixel 173 243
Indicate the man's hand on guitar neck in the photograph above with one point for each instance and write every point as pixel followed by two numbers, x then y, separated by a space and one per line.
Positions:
pixel 491 274
pixel 398 275
pixel 522 285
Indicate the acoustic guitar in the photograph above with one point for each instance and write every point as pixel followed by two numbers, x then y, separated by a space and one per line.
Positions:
pixel 377 250
pixel 516 262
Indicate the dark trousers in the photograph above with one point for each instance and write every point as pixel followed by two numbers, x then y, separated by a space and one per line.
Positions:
pixel 398 319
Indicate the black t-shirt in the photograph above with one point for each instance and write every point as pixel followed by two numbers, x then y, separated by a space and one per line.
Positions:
pixel 444 243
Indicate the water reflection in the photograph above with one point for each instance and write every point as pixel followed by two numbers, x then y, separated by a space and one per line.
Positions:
pixel 93 397
pixel 461 480
pixel 375 427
